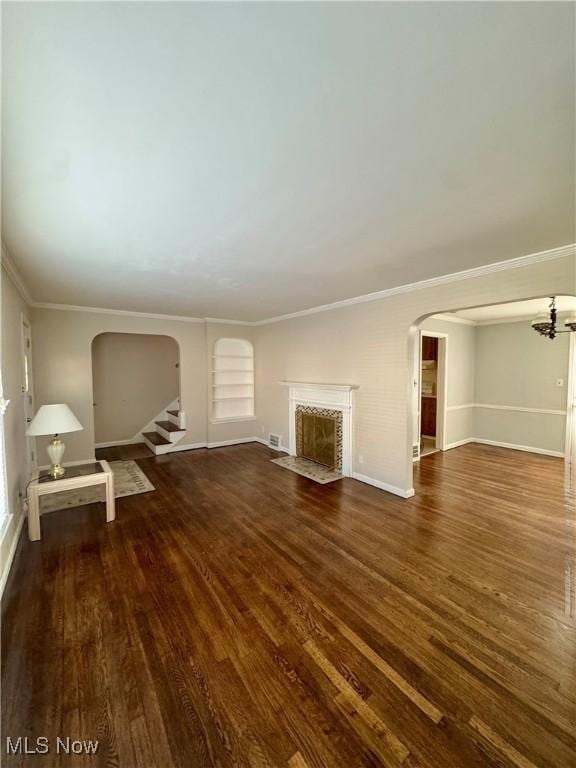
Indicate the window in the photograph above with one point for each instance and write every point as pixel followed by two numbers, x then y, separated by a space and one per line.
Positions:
pixel 232 380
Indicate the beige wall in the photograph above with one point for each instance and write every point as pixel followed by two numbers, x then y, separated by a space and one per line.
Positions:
pixel 63 366
pixel 368 344
pixel 63 369
pixel 135 376
pixel 517 367
pixel 505 364
pixel 460 374
pixel 13 308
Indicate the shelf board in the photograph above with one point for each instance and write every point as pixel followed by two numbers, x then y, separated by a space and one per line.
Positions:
pixel 247 384
pixel 242 397
pixel 224 419
pixel 234 370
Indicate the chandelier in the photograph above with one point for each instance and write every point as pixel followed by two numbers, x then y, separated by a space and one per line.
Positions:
pixel 546 324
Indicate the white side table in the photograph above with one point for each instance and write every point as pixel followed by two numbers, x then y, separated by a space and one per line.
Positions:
pixel 81 476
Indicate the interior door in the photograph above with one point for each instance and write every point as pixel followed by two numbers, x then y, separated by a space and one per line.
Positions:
pixel 28 394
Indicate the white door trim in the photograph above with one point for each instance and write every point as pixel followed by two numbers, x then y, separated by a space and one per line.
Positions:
pixel 570 451
pixel 27 375
pixel 442 387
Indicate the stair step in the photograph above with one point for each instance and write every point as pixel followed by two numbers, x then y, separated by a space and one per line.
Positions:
pixel 168 426
pixel 155 438
pixel 174 413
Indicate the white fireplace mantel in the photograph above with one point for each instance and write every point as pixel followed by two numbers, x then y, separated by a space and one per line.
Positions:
pixel 338 397
pixel 315 385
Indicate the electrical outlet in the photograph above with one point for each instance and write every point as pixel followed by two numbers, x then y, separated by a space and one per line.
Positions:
pixel 559 382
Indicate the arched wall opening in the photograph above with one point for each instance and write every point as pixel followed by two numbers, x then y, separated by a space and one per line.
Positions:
pixel 506 385
pixel 135 377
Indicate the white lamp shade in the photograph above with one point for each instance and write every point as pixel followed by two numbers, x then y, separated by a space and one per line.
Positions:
pixel 53 420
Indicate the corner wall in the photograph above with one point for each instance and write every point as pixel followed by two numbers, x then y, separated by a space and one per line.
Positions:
pixel 62 341
pixel 13 309
pixel 502 385
pixel 372 345
pixel 460 378
pixel 135 376
pixel 517 400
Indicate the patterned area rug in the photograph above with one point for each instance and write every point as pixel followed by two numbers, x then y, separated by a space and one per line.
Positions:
pixel 308 469
pixel 129 479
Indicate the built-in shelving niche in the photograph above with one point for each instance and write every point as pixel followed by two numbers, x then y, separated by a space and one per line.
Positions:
pixel 232 380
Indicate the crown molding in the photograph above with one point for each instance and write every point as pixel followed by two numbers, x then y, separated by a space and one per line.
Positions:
pixel 506 320
pixel 121 312
pixel 467 274
pixel 135 313
pixel 222 321
pixel 448 318
pixel 15 276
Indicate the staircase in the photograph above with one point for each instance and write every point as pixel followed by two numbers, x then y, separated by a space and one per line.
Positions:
pixel 168 430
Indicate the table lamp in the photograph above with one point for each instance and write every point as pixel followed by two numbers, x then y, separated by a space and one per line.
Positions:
pixel 54 420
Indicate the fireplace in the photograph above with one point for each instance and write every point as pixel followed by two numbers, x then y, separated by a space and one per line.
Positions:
pixel 320 423
pixel 319 435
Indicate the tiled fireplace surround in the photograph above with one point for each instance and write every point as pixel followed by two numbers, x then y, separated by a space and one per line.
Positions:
pixel 327 412
pixel 332 400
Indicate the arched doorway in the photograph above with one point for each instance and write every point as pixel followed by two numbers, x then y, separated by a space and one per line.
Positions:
pixel 135 379
pixel 507 387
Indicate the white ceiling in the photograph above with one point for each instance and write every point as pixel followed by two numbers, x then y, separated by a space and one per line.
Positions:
pixel 516 310
pixel 249 160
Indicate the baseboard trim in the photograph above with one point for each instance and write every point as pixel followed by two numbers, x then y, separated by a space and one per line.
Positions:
pixel 515 447
pixel 220 444
pixel 405 494
pixel 510 446
pixel 115 443
pixel 458 443
pixel 11 553
pixel 237 441
pixel 189 447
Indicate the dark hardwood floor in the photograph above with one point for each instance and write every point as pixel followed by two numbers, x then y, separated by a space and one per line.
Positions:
pixel 241 615
pixel 125 452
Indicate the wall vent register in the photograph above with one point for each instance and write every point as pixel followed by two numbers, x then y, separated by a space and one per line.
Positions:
pixel 274 440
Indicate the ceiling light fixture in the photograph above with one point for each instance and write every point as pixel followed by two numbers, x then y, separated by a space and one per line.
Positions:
pixel 546 324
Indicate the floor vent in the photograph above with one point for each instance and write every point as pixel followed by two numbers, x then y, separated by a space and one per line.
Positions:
pixel 273 440
pixel 416 451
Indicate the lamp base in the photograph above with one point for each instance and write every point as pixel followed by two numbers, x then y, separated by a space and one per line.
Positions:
pixel 55 450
